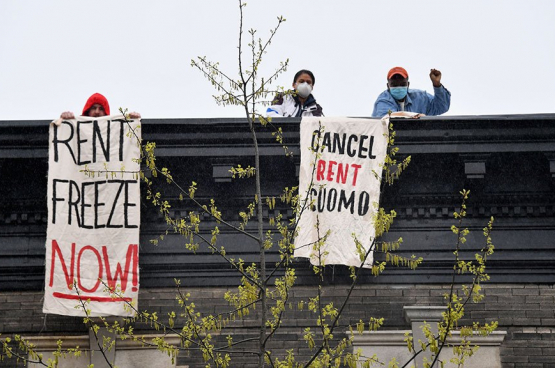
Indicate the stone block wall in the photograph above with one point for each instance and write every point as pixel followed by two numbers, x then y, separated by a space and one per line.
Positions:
pixel 524 311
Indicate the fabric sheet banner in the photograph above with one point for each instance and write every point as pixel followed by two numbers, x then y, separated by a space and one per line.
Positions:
pixel 92 240
pixel 340 186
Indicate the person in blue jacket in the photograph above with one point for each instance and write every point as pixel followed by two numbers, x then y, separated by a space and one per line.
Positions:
pixel 402 101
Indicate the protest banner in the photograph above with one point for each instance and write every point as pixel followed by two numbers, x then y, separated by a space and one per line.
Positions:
pixel 92 240
pixel 340 158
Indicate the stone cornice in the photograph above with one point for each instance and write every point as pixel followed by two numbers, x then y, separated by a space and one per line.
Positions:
pixel 226 137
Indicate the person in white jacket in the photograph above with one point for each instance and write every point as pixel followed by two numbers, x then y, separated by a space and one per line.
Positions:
pixel 297 102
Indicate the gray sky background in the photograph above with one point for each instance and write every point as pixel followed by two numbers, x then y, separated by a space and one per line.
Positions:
pixel 497 57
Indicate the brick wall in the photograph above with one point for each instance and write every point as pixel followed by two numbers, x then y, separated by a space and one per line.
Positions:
pixel 526 312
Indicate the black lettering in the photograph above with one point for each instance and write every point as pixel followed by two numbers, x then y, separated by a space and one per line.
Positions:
pixel 121 130
pixel 109 223
pixel 66 142
pixel 55 198
pixel 343 202
pixel 361 148
pixel 350 152
pixel 363 203
pixel 84 204
pixel 338 143
pixel 126 204
pixel 315 140
pixel 313 194
pixel 73 204
pixel 326 142
pixel 331 201
pixel 105 148
pixel 79 141
pixel 97 204
pixel 321 199
pixel 371 146
pixel 80 198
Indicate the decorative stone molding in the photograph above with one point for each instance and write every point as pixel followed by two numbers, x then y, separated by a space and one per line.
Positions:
pixel 390 344
pixel 423 313
pixel 127 354
pixel 417 316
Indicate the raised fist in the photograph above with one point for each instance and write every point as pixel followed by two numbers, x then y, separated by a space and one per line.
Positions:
pixel 435 76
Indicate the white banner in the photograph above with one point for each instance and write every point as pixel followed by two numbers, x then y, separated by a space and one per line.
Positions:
pixel 342 188
pixel 92 240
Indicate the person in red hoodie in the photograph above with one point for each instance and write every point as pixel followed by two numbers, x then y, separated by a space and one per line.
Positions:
pixel 96 106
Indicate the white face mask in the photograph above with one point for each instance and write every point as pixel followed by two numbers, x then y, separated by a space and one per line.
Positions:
pixel 304 89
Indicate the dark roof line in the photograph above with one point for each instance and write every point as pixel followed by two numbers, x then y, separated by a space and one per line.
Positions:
pixel 209 121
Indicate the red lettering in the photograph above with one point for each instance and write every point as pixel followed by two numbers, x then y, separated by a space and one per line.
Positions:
pixel 342 174
pixel 97 254
pixel 356 173
pixel 342 171
pixel 131 258
pixel 120 274
pixel 330 170
pixel 68 276
pixel 320 170
pixel 92 298
pixel 135 268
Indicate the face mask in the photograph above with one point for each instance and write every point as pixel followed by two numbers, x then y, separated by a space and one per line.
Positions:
pixel 304 89
pixel 398 93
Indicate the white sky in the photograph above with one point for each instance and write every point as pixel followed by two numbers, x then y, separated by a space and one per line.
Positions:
pixel 497 57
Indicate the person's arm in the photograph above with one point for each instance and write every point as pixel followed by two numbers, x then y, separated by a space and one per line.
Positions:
pixel 134 115
pixel 439 103
pixel 441 100
pixel 319 111
pixel 315 110
pixel 383 105
pixel 406 114
pixel 276 110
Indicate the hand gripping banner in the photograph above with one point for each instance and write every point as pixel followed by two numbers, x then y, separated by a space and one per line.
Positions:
pixel 92 240
pixel 340 175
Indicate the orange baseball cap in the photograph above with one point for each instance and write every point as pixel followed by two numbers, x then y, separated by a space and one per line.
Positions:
pixel 397 70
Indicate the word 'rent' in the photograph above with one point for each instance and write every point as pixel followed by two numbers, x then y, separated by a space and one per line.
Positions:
pixel 99 145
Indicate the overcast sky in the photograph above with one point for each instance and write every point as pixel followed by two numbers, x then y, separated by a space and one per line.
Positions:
pixel 497 57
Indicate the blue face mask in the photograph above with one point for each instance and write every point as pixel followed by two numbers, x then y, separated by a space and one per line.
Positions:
pixel 398 93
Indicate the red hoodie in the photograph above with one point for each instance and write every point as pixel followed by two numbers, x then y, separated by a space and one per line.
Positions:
pixel 96 98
